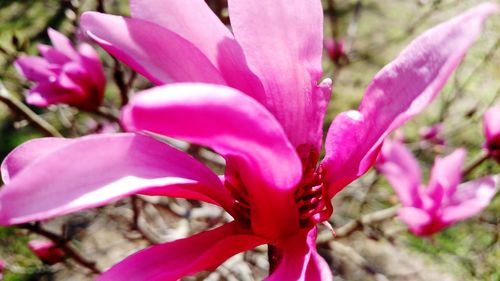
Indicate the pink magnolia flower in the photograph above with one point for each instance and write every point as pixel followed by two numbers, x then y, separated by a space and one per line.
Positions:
pixel 491 124
pixel 262 111
pixel 46 251
pixel 444 201
pixel 64 74
pixel 335 49
pixel 432 134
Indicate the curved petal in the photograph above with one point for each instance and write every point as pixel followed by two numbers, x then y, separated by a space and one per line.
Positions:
pixel 470 199
pixel 173 260
pixel 417 220
pixel 299 260
pixel 283 46
pixel 27 153
pixel 446 175
pixel 402 171
pixel 399 91
pixel 318 269
pixel 194 21
pixel 96 170
pixel 91 62
pixel 34 68
pixel 237 127
pixel 62 44
pixel 45 94
pixel 74 77
pixel 157 53
pixel 52 55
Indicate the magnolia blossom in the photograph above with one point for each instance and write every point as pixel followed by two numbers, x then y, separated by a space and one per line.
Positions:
pixel 491 124
pixel 432 134
pixel 253 97
pixel 46 251
pixel 335 49
pixel 444 201
pixel 64 74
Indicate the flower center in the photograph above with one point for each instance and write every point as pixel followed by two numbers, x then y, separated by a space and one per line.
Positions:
pixel 311 196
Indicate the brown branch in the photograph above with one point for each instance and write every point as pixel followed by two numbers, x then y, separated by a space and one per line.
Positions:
pixel 63 244
pixel 118 76
pixel 365 220
pixel 100 6
pixel 23 110
pixel 349 254
pixel 475 164
pixel 106 115
pixel 136 202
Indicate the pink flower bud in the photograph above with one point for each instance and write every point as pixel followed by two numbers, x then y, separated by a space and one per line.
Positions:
pixel 335 49
pixel 46 251
pixel 432 134
pixel 63 74
pixel 491 121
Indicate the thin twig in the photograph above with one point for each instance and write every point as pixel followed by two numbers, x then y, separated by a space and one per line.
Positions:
pixel 475 164
pixel 363 221
pixel 368 189
pixel 351 255
pixel 100 6
pixel 20 108
pixel 136 225
pixel 106 115
pixel 352 29
pixel 63 244
pixel 118 76
pixel 460 89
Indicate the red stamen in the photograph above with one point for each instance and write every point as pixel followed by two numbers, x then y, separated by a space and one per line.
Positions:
pixel 311 197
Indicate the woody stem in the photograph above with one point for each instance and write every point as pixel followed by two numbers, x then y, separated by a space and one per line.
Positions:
pixel 475 164
pixel 20 108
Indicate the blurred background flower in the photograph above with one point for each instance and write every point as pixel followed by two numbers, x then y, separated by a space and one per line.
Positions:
pixel 63 74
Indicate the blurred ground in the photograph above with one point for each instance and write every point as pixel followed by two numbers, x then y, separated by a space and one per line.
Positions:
pixel 467 251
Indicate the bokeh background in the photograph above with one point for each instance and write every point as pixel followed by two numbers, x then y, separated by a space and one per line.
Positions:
pixel 374 32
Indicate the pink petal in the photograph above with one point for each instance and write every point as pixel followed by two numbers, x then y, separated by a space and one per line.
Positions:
pixel 398 92
pixel 34 68
pixel 470 199
pixel 25 154
pixel 171 261
pixel 52 55
pixel 318 269
pixel 417 219
pixel 45 94
pixel 95 170
pixel 194 21
pixel 92 64
pixel 300 260
pixel 402 171
pixel 74 78
pixel 282 41
pixel 47 251
pixel 62 44
pixel 159 54
pixel 446 175
pixel 237 127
